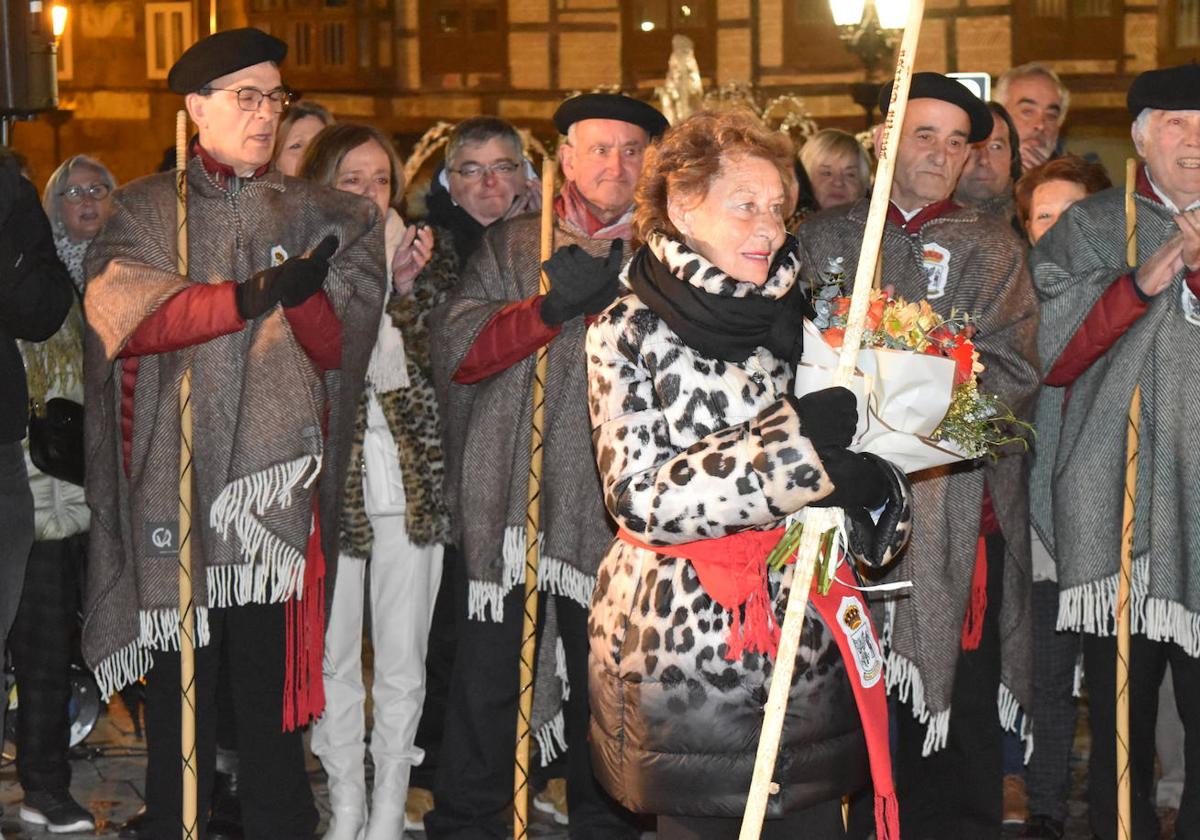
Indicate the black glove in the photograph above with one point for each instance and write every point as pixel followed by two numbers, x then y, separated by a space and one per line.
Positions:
pixel 290 283
pixel 879 543
pixel 827 417
pixel 580 284
pixel 858 480
pixel 306 278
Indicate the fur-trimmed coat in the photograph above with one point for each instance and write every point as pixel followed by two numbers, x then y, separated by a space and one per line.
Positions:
pixel 691 448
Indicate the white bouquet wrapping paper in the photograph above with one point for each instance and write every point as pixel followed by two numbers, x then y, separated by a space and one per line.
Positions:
pixel 902 398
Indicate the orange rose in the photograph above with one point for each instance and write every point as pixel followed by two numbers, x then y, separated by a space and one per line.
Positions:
pixel 834 336
pixel 841 306
pixel 875 314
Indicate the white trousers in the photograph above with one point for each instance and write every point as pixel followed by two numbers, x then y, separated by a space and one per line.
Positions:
pixel 403 585
pixel 402 582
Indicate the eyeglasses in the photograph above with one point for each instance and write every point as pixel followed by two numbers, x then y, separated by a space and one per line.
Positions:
pixel 474 171
pixel 75 194
pixel 250 99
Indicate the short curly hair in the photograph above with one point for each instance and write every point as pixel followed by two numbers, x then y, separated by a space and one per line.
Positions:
pixel 1090 176
pixel 690 155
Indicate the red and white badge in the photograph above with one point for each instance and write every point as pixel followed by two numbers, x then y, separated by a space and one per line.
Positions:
pixel 868 661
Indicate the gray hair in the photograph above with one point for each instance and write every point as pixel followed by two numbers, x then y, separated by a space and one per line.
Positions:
pixel 479 130
pixel 1141 123
pixel 1025 71
pixel 51 198
pixel 833 142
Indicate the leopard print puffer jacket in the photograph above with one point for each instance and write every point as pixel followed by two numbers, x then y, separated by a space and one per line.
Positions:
pixel 689 448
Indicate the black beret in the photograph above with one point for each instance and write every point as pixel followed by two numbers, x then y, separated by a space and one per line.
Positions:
pixel 1168 89
pixel 937 86
pixel 222 53
pixel 609 106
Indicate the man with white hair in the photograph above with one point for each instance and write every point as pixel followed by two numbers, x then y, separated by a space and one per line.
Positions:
pixel 488 333
pixel 1038 101
pixel 1106 328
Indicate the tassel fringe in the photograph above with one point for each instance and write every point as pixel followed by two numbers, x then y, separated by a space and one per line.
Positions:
pixel 554 576
pixel 273 571
pixel 1091 608
pixel 158 630
pixel 1012 719
pixel 904 680
pixel 552 738
pixel 122 668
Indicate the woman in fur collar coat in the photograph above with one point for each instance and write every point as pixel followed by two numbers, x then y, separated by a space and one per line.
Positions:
pixel 703 452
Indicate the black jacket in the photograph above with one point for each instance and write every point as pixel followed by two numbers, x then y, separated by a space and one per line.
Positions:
pixel 35 291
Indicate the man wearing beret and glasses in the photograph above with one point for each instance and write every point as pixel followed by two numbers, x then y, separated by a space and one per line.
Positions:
pixel 1105 328
pixel 275 320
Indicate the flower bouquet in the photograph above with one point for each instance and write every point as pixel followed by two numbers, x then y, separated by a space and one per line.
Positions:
pixel 917 381
pixel 919 402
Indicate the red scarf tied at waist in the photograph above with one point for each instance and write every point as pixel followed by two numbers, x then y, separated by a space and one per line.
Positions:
pixel 733 571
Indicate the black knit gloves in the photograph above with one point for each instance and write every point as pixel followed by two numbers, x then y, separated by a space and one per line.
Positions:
pixel 827 417
pixel 580 284
pixel 290 283
pixel 860 481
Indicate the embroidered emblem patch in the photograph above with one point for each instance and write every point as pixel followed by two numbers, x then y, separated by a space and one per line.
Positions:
pixel 161 539
pixel 868 661
pixel 278 255
pixel 1191 305
pixel 936 261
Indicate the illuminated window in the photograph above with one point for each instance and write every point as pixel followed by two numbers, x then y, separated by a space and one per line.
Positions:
pixel 168 33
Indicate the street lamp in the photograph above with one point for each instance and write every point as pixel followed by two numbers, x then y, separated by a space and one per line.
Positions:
pixel 869 29
pixel 58 21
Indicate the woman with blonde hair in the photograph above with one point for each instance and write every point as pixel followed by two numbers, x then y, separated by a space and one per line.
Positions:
pixel 302 122
pixel 837 167
pixel 394 521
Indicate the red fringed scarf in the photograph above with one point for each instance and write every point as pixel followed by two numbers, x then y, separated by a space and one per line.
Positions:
pixel 303 682
pixel 733 571
pixel 571 206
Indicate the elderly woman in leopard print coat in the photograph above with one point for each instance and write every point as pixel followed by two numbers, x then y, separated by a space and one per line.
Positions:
pixel 703 452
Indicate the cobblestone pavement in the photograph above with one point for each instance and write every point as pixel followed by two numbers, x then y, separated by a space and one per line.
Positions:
pixel 109 776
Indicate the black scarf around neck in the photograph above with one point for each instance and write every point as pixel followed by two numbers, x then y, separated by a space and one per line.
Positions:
pixel 721 326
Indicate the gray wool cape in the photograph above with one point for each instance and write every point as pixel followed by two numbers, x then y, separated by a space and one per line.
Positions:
pixel 964 260
pixel 1080 497
pixel 487 430
pixel 257 403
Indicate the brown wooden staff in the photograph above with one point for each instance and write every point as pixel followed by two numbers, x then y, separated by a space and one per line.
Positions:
pixel 1124 576
pixel 187 611
pixel 820 520
pixel 533 524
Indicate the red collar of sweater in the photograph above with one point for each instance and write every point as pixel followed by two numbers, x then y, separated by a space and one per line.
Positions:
pixel 926 214
pixel 222 172
pixel 1144 188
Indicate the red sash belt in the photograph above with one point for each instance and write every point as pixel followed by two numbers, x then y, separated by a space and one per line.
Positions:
pixel 733 571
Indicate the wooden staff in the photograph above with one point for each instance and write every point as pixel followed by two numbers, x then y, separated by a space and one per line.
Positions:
pixel 1124 797
pixel 533 524
pixel 187 612
pixel 819 520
